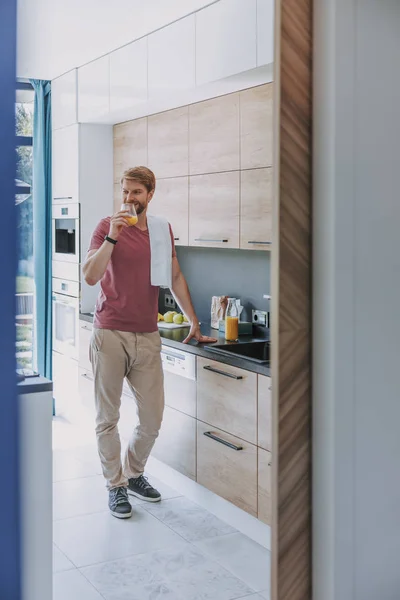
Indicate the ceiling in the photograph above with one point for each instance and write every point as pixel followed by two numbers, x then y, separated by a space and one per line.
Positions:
pixel 55 36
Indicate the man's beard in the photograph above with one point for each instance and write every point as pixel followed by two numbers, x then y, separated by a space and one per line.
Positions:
pixel 139 209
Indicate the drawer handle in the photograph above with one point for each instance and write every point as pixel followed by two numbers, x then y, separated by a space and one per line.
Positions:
pixel 257 242
pixel 206 240
pixel 207 368
pixel 221 441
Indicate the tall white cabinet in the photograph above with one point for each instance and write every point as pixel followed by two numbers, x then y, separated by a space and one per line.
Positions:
pixel 82 176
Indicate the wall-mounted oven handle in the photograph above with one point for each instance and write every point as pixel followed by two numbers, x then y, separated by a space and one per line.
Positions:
pixel 224 373
pixel 207 240
pixel 62 198
pixel 221 441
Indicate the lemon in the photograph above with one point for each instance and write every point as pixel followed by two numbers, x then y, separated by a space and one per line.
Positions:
pixel 168 317
pixel 185 319
pixel 178 319
pixel 160 317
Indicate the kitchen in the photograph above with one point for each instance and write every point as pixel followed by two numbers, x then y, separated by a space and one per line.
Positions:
pixel 210 146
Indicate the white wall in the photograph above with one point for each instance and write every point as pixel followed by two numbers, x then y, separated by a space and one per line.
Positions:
pixel 55 36
pixel 356 300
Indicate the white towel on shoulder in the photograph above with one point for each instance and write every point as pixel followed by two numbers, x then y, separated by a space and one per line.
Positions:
pixel 161 251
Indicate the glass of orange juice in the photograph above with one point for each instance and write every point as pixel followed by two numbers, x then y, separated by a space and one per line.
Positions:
pixel 132 217
pixel 232 321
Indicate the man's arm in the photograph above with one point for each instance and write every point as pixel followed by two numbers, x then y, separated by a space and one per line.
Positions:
pixel 181 294
pixel 97 259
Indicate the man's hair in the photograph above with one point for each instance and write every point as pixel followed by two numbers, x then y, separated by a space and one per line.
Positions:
pixel 143 175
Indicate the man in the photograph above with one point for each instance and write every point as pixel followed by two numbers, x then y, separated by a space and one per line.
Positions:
pixel 126 342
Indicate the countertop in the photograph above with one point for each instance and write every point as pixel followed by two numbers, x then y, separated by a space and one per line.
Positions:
pixel 34 385
pixel 174 337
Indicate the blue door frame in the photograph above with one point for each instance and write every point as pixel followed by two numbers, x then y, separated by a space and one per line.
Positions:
pixel 10 585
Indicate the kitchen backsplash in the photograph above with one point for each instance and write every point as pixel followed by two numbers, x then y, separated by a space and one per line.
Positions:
pixel 218 272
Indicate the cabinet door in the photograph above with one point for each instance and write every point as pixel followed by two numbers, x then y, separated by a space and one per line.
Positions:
pixel 65 385
pixel 264 486
pixel 214 135
pixel 130 146
pixel 227 398
pixel 256 209
pixel 256 127
pixel 168 142
pixel 85 333
pixel 176 444
pixel 126 90
pixel 214 210
pixel 227 470
pixel 265 32
pixel 64 100
pixel 86 396
pixel 225 40
pixel 94 90
pixel 65 154
pixel 172 58
pixel 264 413
pixel 171 201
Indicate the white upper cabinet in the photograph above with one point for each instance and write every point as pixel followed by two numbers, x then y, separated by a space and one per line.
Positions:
pixel 65 152
pixel 64 100
pixel 94 90
pixel 226 39
pixel 265 32
pixel 128 75
pixel 172 57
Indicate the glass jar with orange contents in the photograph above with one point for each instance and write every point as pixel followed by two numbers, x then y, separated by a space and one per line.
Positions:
pixel 232 321
pixel 131 217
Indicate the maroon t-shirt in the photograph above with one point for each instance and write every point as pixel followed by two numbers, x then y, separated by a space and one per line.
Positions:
pixel 127 301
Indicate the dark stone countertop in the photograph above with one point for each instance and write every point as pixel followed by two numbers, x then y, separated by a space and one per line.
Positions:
pixel 174 337
pixel 34 385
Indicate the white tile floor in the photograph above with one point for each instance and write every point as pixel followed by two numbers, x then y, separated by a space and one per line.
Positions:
pixel 175 550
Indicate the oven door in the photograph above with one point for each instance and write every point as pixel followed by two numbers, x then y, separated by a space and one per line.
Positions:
pixel 66 235
pixel 66 325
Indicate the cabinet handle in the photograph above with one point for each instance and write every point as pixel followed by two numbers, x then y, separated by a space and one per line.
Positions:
pixel 86 376
pixel 176 239
pixel 221 441
pixel 86 327
pixel 205 240
pixel 257 242
pixel 207 368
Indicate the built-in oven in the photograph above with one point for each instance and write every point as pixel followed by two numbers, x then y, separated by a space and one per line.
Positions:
pixel 66 317
pixel 66 235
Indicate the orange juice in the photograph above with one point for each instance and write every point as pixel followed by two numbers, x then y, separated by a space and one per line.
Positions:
pixel 231 329
pixel 131 220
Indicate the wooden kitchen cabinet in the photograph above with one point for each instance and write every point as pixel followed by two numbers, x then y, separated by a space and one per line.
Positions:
pixel 256 209
pixel 227 398
pixel 176 444
pixel 256 127
pixel 171 201
pixel 264 412
pixel 168 140
pixel 264 486
pixel 130 146
pixel 227 470
pixel 214 210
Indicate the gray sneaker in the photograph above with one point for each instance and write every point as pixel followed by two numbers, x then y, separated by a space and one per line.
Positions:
pixel 141 488
pixel 118 503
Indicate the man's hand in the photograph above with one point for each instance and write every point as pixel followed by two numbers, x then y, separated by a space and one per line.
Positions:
pixel 117 223
pixel 195 334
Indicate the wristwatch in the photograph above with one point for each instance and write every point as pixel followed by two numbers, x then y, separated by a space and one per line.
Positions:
pixel 108 239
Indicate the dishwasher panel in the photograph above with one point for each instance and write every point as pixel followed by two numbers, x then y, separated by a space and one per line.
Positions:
pixel 179 380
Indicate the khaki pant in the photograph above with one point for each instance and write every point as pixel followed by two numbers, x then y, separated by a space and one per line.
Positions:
pixel 136 356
